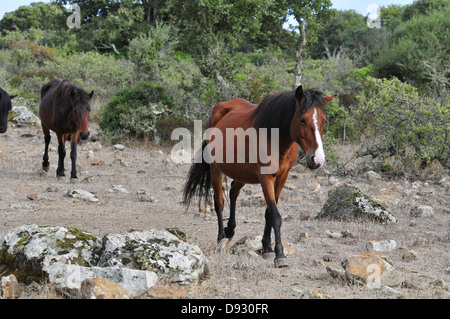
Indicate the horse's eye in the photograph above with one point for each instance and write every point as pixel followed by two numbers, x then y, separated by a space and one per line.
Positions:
pixel 302 121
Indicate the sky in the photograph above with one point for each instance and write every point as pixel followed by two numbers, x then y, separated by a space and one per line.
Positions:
pixel 359 6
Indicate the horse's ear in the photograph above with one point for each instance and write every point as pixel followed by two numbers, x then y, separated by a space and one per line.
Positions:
pixel 328 99
pixel 91 95
pixel 12 96
pixel 299 93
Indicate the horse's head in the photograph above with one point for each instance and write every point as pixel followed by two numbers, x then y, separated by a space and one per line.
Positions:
pixel 81 110
pixel 307 124
pixel 5 107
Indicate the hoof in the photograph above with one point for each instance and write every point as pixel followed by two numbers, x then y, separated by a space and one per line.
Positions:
pixel 223 245
pixel 269 255
pixel 74 180
pixel 228 233
pixel 281 262
pixel 45 168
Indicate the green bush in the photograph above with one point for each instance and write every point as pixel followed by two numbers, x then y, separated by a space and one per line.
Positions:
pixel 397 121
pixel 133 112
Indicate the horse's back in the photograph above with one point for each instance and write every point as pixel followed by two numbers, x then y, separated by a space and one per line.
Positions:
pixel 46 106
pixel 235 110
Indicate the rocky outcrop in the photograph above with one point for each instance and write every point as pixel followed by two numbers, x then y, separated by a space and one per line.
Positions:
pixel 22 116
pixel 347 202
pixel 28 251
pixel 135 261
pixel 154 250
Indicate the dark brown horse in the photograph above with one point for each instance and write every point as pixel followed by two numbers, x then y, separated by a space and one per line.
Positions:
pixel 293 118
pixel 65 110
pixel 5 107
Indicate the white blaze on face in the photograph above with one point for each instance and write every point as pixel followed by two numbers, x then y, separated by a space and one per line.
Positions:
pixel 319 155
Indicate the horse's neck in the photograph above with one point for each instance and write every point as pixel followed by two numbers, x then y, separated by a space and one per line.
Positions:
pixel 286 144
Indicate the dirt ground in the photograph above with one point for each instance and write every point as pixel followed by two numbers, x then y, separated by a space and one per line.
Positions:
pixel 148 168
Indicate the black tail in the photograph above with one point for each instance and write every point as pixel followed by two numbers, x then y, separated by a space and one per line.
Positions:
pixel 199 179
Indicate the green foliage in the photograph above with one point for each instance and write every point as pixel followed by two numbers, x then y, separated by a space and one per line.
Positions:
pixel 423 40
pixel 216 25
pixel 337 33
pixel 423 7
pixel 399 122
pixel 194 54
pixel 147 50
pixel 48 16
pixel 133 112
pixel 99 72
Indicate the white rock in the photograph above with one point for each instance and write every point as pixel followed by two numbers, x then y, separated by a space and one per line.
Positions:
pixel 158 250
pixel 372 176
pixel 42 246
pixel 119 147
pixel 333 234
pixel 81 194
pixel 68 278
pixel 25 117
pixel 422 211
pixel 118 189
pixel 383 245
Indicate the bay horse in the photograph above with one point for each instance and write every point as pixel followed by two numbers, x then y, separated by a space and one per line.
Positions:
pixel 65 110
pixel 299 117
pixel 5 107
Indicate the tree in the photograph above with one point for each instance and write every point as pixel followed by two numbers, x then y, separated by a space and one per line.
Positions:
pixel 422 7
pixel 308 14
pixel 210 29
pixel 109 25
pixel 414 48
pixel 46 16
pixel 216 25
pixel 337 33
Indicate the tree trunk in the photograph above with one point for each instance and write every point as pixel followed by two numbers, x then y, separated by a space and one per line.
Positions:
pixel 300 53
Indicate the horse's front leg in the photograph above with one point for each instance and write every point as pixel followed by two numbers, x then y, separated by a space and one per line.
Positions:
pixel 73 156
pixel 61 154
pixel 273 220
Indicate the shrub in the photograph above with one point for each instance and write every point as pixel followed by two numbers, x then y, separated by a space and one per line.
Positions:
pixel 133 112
pixel 398 122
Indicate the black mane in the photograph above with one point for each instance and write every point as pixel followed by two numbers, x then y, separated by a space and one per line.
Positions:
pixel 72 94
pixel 277 109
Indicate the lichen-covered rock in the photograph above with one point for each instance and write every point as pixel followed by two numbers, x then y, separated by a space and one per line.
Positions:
pixel 68 279
pixel 27 251
pixel 22 116
pixel 155 250
pixel 347 202
pixel 136 260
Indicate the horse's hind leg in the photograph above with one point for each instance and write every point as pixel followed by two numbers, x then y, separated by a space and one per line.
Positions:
pixel 216 183
pixel 47 138
pixel 61 154
pixel 235 189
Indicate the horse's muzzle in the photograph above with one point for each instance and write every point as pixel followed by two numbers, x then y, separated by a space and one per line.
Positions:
pixel 311 163
pixel 85 136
